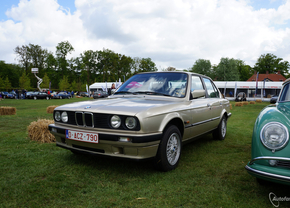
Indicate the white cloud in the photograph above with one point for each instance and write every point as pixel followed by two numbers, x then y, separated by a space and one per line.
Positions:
pixel 173 33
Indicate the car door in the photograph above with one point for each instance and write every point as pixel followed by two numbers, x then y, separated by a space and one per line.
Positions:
pixel 214 102
pixel 200 112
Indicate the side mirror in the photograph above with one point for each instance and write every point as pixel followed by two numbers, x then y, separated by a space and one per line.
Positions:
pixel 198 93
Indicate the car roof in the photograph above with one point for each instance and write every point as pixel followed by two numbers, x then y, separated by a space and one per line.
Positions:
pixel 185 72
pixel 286 81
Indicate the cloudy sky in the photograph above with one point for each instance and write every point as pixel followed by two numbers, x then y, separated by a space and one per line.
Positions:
pixel 171 32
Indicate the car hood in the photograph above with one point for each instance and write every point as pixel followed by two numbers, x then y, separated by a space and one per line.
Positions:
pixel 126 106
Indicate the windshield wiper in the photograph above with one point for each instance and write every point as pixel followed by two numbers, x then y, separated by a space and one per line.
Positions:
pixel 152 93
pixel 125 92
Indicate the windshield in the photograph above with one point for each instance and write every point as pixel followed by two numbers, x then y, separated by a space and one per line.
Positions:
pixel 285 94
pixel 165 84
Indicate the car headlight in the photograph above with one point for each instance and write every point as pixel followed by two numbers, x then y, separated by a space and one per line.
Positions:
pixel 57 116
pixel 64 117
pixel 130 122
pixel 274 135
pixel 115 121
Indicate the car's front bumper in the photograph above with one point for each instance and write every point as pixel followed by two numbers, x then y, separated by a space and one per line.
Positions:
pixel 271 173
pixel 140 147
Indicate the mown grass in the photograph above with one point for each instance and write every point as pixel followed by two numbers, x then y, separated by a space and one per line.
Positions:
pixel 210 173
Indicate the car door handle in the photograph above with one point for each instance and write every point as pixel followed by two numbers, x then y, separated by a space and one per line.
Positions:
pixel 209 106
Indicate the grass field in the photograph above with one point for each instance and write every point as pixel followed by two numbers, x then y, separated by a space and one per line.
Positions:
pixel 210 173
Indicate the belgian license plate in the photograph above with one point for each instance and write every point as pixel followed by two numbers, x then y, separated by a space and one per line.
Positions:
pixel 83 136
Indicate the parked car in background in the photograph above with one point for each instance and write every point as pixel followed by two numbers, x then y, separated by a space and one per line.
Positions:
pixel 62 95
pixel 37 95
pixel 11 95
pixel 150 116
pixel 84 94
pixel 241 97
pixel 270 159
pixel 100 94
pixel 273 99
pixel 5 94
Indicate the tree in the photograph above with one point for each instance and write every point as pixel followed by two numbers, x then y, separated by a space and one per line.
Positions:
pixel 227 70
pixel 23 56
pixel 62 50
pixel 1 83
pixel 170 68
pixel 7 84
pixel 202 66
pixel 245 71
pixel 46 81
pixel 147 65
pixel 89 60
pixel 24 81
pixel 64 84
pixel 271 64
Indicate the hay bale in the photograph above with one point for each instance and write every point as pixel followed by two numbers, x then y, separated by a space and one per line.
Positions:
pixel 5 110
pixel 239 104
pixel 38 131
pixel 245 102
pixel 259 101
pixel 252 102
pixel 51 108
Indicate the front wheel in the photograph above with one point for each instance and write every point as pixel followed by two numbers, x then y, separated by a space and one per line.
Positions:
pixel 169 150
pixel 221 131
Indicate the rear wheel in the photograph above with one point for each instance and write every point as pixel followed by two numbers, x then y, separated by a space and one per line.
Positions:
pixel 221 131
pixel 169 150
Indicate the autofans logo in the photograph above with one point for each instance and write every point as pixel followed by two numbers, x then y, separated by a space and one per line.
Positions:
pixel 276 200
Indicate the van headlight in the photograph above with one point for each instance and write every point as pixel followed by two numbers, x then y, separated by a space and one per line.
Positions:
pixel 64 117
pixel 274 135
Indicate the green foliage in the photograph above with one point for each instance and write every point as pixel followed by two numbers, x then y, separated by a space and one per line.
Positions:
pixel 202 66
pixel 106 65
pixel 24 81
pixel 7 84
pixel 45 82
pixel 1 83
pixel 64 84
pixel 271 64
pixel 227 70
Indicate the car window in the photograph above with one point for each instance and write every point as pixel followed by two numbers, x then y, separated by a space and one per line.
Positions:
pixel 285 94
pixel 165 84
pixel 211 89
pixel 196 83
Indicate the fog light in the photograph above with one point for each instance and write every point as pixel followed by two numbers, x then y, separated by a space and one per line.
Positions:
pixel 273 162
pixel 125 139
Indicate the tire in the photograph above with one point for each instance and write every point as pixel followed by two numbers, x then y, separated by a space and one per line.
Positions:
pixel 221 131
pixel 169 150
pixel 35 98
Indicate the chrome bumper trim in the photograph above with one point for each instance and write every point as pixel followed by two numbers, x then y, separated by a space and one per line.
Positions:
pixel 268 175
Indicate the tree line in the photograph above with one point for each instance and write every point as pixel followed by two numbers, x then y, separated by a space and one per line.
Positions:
pixel 61 73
